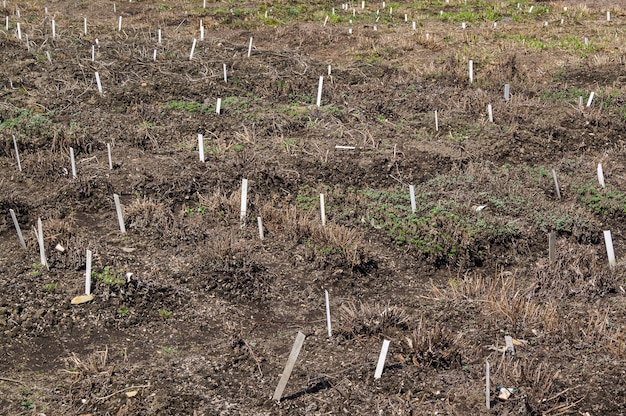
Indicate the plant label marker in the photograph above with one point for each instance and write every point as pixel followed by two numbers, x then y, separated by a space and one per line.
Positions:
pixel 329 70
pixel 406 17
pixel 19 31
pixel 363 4
pixel 590 99
pixel 154 55
pixel 600 175
pixel 325 21
pixel 7 23
pixel 119 24
pixel 109 156
pixel 319 91
pixel 47 53
pixel 490 111
pixel 193 47
pixel 608 241
pixel 73 162
pixel 159 36
pixel 218 106
pixel 323 210
pixel 88 273
pixel 507 92
pixel 508 342
pixel 260 224
pixel 381 360
pixel 98 83
pixel 85 26
pixel 54 29
pixel 93 53
pixel 244 201
pixel 463 25
pixel 414 25
pixel 471 71
pixel 608 16
pixel 17 155
pixel 436 121
pixel 328 323
pixel 120 216
pixel 201 30
pixel 225 74
pixel 487 386
pixel 201 147
pixel 18 230
pixel 556 184
pixel 551 246
pixel 291 362
pixel 204 4
pixel 250 47
pixel 114 8
pixel 586 41
pixel 42 248
pixel 412 193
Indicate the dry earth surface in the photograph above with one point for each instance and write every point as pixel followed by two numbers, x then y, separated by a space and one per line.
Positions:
pixel 194 314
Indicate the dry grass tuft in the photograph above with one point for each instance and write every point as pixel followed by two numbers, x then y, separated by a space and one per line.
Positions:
pixel 365 320
pixel 434 346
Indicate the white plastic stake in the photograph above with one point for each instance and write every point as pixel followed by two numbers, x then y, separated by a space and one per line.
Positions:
pixel 204 4
pixel 85 26
pixel 250 48
pixel 436 121
pixel 42 249
pixel 109 155
pixel 414 25
pixel 291 361
pixel 381 360
pixel 608 16
pixel 319 92
pixel 328 324
pixel 463 25
pixel 329 70
pixel 19 31
pixel 323 209
pixel 590 99
pixel 471 71
pixel 119 24
pixel 490 111
pixel 556 184
pixel 244 201
pixel 120 216
pixel 201 30
pixel 159 36
pixel 225 74
pixel 7 23
pixel 325 21
pixel 218 106
pixel 93 53
pixel 600 175
pixel 18 230
pixel 260 223
pixel 114 8
pixel 363 4
pixel 193 47
pixel 412 193
pixel 487 386
pixel 48 57
pixel 88 273
pixel 154 55
pixel 17 155
pixel 54 29
pixel 507 92
pixel 608 241
pixel 201 147
pixel 98 83
pixel 73 162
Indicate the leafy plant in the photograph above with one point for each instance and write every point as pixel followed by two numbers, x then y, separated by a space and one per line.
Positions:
pixel 164 313
pixel 109 276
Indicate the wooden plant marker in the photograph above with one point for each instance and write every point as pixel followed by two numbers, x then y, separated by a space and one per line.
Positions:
pixel 508 342
pixel 40 241
pixel 487 386
pixel 88 273
pixel 291 361
pixel 109 156
pixel 328 324
pixel 260 223
pixel 323 210
pixel 600 175
pixel 98 83
pixel 201 147
pixel 244 201
pixel 120 216
pixel 193 48
pixel 608 241
pixel 319 91
pixel 381 360
pixel 412 194
pixel 556 184
pixel 73 162
pixel 18 229
pixel 17 155
pixel 551 246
